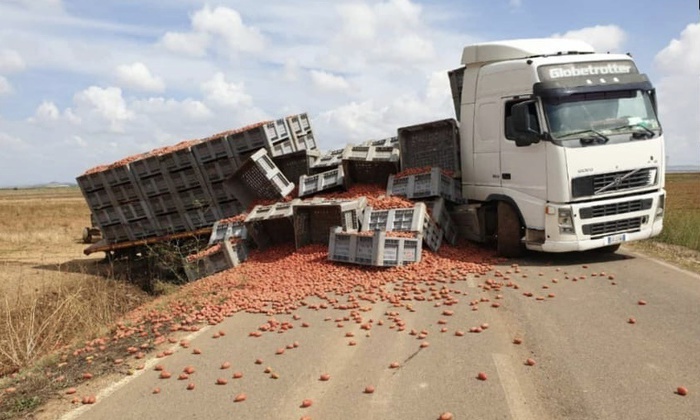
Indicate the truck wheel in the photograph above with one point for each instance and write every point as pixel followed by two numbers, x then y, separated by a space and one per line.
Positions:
pixel 509 231
pixel 610 249
pixel 87 235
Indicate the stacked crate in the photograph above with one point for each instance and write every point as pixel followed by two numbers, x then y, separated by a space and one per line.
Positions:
pixel 414 219
pixel 313 219
pixel 376 248
pixel 370 164
pixel 182 188
pixel 433 144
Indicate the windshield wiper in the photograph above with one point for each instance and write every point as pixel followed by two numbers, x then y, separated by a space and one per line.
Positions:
pixel 597 136
pixel 647 135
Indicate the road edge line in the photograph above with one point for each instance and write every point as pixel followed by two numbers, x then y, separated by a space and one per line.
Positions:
pixel 511 387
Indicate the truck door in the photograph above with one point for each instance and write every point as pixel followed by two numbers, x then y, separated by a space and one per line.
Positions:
pixel 523 169
pixel 486 138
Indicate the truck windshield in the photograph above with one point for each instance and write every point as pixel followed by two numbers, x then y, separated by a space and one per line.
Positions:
pixel 601 113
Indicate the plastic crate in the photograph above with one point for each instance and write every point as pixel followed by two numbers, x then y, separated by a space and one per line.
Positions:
pixel 401 220
pixel 432 233
pixel 299 124
pixel 220 169
pixel 163 204
pixel 437 208
pixel 229 208
pixel 172 223
pixel 228 255
pixel 375 172
pixel 431 144
pixel 312 184
pixel 429 184
pixel 296 164
pixel 221 192
pixel 154 185
pixel 134 211
pixel 212 149
pixel 371 153
pixel 91 182
pixel 98 199
pixel 283 148
pixel 305 141
pixel 261 135
pixel 124 193
pixel 222 231
pixel 272 211
pixel 271 231
pixel 115 233
pixel 107 216
pixel 195 198
pixel 258 178
pixel 375 250
pixel 177 160
pixel 328 160
pixel 200 218
pixel 146 167
pixel 469 222
pixel 117 175
pixel 142 229
pixel 185 179
pixel 415 219
pixel 387 142
pixel 313 219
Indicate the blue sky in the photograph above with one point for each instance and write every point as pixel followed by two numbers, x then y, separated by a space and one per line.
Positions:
pixel 84 83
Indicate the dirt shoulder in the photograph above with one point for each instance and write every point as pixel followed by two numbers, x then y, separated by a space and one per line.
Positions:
pixel 679 256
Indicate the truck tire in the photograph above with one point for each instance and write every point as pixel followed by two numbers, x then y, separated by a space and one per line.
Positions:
pixel 87 236
pixel 509 231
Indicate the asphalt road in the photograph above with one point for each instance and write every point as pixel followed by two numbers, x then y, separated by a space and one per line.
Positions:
pixel 591 363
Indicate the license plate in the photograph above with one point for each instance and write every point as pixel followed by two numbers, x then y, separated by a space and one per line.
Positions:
pixel 616 239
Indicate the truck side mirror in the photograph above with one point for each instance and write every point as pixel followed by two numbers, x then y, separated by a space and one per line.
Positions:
pixel 524 124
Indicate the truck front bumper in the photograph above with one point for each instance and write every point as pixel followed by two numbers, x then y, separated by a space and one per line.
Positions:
pixel 590 225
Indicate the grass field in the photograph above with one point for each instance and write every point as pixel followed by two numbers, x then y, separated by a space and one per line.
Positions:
pixel 51 294
pixel 682 220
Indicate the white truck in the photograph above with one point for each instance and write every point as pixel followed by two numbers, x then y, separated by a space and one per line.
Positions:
pixel 561 147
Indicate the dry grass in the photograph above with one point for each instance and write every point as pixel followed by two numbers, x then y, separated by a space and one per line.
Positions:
pixel 52 295
pixel 682 219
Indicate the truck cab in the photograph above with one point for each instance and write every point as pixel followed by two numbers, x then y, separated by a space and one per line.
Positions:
pixel 561 147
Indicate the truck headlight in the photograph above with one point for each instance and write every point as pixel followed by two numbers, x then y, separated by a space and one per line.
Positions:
pixel 566 222
pixel 660 207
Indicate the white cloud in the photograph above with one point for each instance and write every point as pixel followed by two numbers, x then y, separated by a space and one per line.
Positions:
pixel 10 61
pixel 328 81
pixel 604 38
pixel 194 43
pixel 106 103
pixel 514 4
pixel 5 86
pixel 10 142
pixel 138 77
pixel 221 26
pixel 220 92
pixel 679 96
pixel 189 108
pixel 47 111
pixel 392 32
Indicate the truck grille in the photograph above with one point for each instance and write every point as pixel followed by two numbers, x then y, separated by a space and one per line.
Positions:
pixel 615 208
pixel 596 230
pixel 612 182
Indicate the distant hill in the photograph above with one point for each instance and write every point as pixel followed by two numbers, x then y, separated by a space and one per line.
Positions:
pixel 683 168
pixel 52 184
